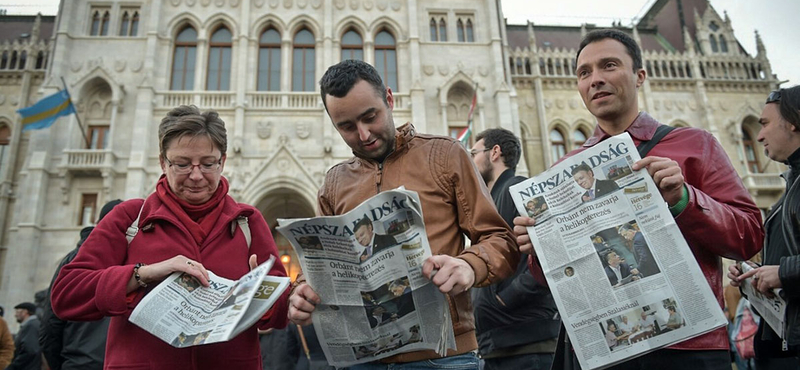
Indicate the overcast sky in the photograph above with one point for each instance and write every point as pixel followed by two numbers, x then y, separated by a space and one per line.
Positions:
pixel 773 19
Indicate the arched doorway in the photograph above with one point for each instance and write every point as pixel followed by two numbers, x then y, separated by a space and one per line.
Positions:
pixel 284 203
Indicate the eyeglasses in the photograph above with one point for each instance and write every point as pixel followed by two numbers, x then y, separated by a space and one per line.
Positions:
pixel 187 168
pixel 475 152
pixel 774 97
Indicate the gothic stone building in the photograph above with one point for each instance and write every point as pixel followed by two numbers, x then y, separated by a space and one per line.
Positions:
pixel 126 63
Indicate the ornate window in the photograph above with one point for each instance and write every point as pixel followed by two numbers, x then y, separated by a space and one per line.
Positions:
pixel 750 152
pixel 386 58
pixel 219 60
pixel 184 59
pixel 713 40
pixel 269 61
pixel 723 45
pixel 578 138
pixel 23 57
pixel 129 25
pixel 88 209
pixel 464 31
pixel 438 27
pixel 98 137
pixel 41 60
pixel 304 62
pixel 104 23
pixel 352 46
pixel 4 60
pixel 558 146
pixel 98 22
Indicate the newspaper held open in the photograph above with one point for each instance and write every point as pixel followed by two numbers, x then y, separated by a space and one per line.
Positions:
pixel 366 267
pixel 184 313
pixel 623 278
pixel 773 310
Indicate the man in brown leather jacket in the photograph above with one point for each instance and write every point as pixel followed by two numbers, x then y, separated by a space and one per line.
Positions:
pixel 454 199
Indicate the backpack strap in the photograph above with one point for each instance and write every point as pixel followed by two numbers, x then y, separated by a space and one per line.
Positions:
pixel 645 146
pixel 134 228
pixel 243 224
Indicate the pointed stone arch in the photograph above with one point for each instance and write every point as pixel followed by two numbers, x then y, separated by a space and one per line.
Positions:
pixel 281 169
pixel 181 20
pixel 264 22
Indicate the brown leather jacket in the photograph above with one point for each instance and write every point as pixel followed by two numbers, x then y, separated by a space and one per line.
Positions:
pixel 455 202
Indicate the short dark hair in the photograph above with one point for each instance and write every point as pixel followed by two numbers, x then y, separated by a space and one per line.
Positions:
pixel 608 254
pixel 582 167
pixel 630 44
pixel 340 78
pixel 508 142
pixel 186 120
pixel 362 222
pixel 790 105
pixel 626 227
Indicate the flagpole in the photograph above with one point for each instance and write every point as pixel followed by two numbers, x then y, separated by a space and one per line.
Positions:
pixel 77 116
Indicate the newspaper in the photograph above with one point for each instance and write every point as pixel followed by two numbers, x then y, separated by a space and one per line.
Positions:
pixel 771 309
pixel 183 313
pixel 623 278
pixel 366 266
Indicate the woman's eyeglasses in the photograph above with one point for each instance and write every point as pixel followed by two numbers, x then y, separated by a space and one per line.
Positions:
pixel 187 168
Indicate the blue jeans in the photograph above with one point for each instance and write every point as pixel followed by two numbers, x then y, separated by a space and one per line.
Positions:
pixel 466 361
pixel 531 361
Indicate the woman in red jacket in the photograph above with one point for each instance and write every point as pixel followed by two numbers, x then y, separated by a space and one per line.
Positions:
pixel 185 226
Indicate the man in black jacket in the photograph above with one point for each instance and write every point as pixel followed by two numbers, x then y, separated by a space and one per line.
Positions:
pixel 780 135
pixel 27 354
pixel 75 345
pixel 516 320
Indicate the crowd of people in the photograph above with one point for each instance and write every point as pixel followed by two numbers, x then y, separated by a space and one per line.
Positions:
pixel 504 316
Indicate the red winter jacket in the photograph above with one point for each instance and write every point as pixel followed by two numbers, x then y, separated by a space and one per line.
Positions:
pixel 721 219
pixel 93 285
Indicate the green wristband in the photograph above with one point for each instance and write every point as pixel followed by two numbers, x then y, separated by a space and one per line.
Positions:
pixel 681 205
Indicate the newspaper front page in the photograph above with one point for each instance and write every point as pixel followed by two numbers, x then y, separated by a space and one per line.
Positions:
pixel 773 309
pixel 184 313
pixel 366 267
pixel 623 277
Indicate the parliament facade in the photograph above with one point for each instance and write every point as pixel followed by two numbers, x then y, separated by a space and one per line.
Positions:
pixel 257 62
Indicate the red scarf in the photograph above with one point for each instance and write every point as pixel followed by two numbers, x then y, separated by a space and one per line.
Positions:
pixel 198 218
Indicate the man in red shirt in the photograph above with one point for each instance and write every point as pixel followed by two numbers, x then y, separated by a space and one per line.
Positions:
pixel 710 204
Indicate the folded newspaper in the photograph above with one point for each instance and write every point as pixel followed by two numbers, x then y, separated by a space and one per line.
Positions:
pixel 772 309
pixel 184 313
pixel 366 266
pixel 623 278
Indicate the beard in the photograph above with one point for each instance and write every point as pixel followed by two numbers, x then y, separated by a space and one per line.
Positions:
pixel 487 172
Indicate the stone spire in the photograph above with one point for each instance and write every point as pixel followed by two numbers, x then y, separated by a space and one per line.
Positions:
pixel 531 37
pixel 762 51
pixel 37 26
pixel 636 36
pixel 688 43
pixel 583 29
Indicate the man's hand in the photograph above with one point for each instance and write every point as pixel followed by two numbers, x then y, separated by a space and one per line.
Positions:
pixel 765 278
pixel 521 224
pixel 452 275
pixel 666 174
pixel 302 303
pixel 734 272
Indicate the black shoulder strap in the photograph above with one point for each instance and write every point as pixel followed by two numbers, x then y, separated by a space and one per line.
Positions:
pixel 645 146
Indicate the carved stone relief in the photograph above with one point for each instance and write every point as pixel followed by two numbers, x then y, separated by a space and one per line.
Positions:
pixel 316 4
pixel 274 3
pixel 287 4
pixel 339 4
pixel 383 4
pixel 354 4
pixel 302 4
pixel 303 130
pixel 190 2
pixel 175 2
pixel 428 69
pixel 483 70
pixel 219 3
pixel 264 129
pixel 258 3
pixel 573 103
pixel 137 65
pixel 396 5
pixel 668 105
pixel 368 4
pixel 76 66
pixel 234 3
pixel 560 103
pixel 205 2
pixel 444 69
pixel 119 65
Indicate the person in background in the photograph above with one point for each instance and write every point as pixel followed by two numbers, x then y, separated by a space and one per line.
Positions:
pixel 73 345
pixel 780 135
pixel 27 353
pixel 516 320
pixel 189 225
pixel 6 342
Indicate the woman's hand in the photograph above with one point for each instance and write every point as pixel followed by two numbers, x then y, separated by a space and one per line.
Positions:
pixel 150 274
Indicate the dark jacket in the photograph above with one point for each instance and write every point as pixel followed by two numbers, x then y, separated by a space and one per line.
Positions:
pixel 603 187
pixel 380 243
pixel 529 314
pixel 71 344
pixel 624 271
pixel 645 262
pixel 27 355
pixel 782 247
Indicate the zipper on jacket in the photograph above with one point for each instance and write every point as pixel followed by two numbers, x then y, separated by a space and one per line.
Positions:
pixel 379 177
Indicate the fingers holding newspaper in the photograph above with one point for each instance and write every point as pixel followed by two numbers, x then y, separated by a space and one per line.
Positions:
pixel 302 303
pixel 158 271
pixel 765 278
pixel 521 224
pixel 666 174
pixel 452 275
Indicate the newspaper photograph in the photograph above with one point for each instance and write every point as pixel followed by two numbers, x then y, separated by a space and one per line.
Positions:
pixel 622 275
pixel 366 267
pixel 772 309
pixel 183 313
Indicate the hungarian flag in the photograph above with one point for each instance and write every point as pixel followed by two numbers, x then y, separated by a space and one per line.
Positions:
pixel 466 133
